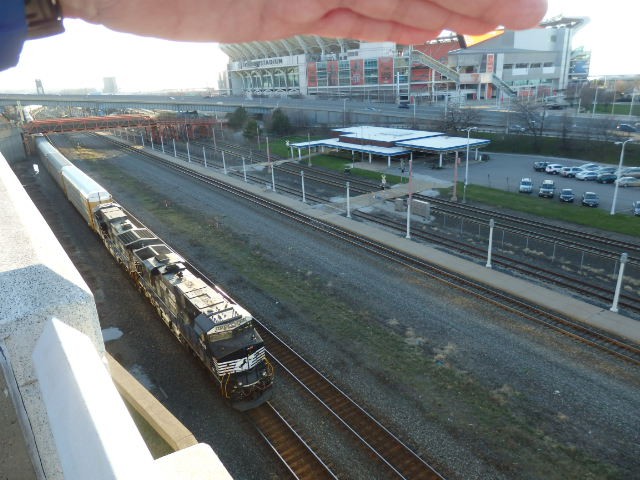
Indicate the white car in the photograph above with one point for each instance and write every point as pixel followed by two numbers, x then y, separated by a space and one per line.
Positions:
pixel 553 168
pixel 526 186
pixel 628 182
pixel 570 172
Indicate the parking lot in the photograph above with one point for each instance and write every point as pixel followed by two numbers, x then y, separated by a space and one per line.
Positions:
pixel 504 171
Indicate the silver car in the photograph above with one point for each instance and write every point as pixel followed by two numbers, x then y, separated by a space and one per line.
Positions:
pixel 628 182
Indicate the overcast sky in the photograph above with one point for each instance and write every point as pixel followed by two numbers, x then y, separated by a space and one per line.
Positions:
pixel 85 53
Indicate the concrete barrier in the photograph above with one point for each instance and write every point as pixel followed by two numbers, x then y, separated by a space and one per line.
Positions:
pixel 73 422
pixel 94 434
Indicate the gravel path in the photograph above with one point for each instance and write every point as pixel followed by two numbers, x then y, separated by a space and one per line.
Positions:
pixel 477 391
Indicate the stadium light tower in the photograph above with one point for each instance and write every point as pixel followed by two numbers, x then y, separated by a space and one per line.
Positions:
pixel 615 190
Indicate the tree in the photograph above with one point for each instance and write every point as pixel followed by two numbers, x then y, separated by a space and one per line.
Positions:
pixel 279 124
pixel 251 129
pixel 532 116
pixel 459 118
pixel 237 118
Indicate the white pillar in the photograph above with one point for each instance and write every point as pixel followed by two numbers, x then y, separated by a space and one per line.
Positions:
pixel 616 296
pixel 348 202
pixel 492 224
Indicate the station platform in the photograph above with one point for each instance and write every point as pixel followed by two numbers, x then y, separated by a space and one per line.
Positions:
pixel 335 213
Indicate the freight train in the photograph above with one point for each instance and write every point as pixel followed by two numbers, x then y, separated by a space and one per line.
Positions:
pixel 203 317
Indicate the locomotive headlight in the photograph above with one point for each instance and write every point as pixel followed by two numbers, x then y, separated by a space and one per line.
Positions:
pixel 239 383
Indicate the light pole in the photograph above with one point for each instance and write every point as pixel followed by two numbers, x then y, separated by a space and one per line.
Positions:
pixel 344 112
pixel 615 190
pixel 466 166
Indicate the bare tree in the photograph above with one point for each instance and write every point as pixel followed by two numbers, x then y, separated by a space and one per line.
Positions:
pixel 532 116
pixel 458 117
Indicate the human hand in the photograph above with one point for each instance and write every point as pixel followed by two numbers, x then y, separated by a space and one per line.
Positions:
pixel 232 21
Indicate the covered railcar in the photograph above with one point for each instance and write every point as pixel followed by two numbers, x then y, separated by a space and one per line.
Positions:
pixel 80 189
pixel 52 159
pixel 219 331
pixel 83 192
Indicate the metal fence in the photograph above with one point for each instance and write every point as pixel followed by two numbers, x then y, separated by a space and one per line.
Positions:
pixel 601 269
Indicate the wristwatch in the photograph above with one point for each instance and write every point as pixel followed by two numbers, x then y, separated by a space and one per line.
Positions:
pixel 22 20
pixel 44 18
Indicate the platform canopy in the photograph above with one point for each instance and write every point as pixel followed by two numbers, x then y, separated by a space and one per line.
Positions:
pixel 383 134
pixel 443 143
pixel 337 144
pixel 392 142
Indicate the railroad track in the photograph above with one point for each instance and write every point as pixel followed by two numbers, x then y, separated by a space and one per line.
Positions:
pixel 395 456
pixel 522 308
pixel 294 452
pixel 398 459
pixel 590 290
pixel 588 242
pixel 601 292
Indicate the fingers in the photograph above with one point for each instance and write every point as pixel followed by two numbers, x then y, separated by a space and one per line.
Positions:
pixel 348 24
pixel 401 21
pixel 457 15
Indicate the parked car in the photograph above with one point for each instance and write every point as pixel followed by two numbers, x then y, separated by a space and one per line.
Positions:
pixel 567 195
pixel 590 166
pixel 606 170
pixel 553 168
pixel 516 129
pixel 540 166
pixel 628 182
pixel 635 206
pixel 586 175
pixel 625 127
pixel 606 177
pixel 569 172
pixel 630 172
pixel 590 199
pixel 403 105
pixel 547 189
pixel 526 186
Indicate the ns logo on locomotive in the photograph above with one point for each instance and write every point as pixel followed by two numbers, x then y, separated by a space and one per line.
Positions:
pixel 202 316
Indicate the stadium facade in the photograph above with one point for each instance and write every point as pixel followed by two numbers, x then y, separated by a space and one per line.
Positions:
pixel 535 62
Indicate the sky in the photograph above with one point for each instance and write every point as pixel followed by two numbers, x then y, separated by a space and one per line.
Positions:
pixel 86 53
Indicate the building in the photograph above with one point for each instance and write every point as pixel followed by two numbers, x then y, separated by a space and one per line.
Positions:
pixel 502 63
pixel 110 85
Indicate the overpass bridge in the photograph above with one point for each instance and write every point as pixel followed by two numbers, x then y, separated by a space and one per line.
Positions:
pixel 170 128
pixel 108 103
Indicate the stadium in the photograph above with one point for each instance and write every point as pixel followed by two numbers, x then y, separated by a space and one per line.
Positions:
pixel 502 63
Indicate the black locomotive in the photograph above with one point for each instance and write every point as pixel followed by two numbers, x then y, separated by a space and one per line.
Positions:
pixel 202 316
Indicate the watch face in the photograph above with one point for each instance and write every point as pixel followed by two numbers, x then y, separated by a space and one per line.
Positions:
pixel 44 18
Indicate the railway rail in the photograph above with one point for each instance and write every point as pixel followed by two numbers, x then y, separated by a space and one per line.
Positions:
pixel 399 459
pixel 522 308
pixel 596 244
pixel 588 242
pixel 599 292
pixel 294 452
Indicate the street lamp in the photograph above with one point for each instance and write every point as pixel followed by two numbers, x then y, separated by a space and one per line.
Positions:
pixel 466 167
pixel 615 190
